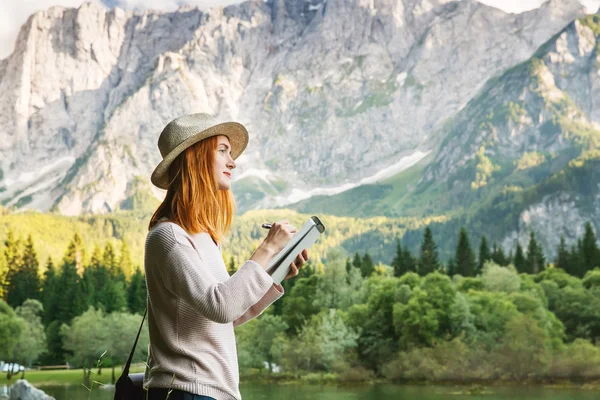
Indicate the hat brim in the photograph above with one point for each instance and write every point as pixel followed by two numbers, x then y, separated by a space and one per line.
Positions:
pixel 235 132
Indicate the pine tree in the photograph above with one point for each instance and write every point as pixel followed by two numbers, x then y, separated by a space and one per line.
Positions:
pixel 356 262
pixel 231 267
pixel 348 265
pixel 498 255
pixel 519 259
pixel 451 269
pixel 403 261
pixel 428 261
pixel 109 260
pixel 367 266
pixel 126 266
pixel 76 254
pixel 409 260
pixel 464 257
pixel 484 253
pixel 116 297
pixel 136 293
pixel 69 298
pixel 562 255
pixel 24 282
pixel 591 252
pixel 400 264
pixel 13 258
pixel 535 261
pixel 89 287
pixel 576 261
pixel 49 293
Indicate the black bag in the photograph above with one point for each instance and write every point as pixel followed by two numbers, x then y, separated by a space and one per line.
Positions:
pixel 130 386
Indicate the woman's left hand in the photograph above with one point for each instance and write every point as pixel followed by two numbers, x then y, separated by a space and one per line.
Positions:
pixel 297 264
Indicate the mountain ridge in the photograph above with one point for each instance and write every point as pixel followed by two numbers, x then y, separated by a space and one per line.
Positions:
pixel 331 74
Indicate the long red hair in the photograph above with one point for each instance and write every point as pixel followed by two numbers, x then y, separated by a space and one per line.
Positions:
pixel 193 200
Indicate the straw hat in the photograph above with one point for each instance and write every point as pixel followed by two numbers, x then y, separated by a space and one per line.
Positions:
pixel 187 130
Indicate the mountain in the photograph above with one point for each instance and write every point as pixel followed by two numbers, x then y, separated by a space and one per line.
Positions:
pixel 523 154
pixel 335 93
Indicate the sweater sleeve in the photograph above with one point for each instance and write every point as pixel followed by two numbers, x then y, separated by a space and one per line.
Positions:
pixel 223 302
pixel 274 293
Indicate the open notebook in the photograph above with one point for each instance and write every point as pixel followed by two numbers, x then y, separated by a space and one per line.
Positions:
pixel 279 266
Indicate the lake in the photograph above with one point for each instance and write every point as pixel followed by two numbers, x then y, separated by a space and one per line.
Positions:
pixel 254 391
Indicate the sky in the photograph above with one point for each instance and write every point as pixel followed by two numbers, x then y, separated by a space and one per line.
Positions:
pixel 14 13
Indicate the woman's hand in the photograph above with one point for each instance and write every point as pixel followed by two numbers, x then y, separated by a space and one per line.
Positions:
pixel 279 235
pixel 297 264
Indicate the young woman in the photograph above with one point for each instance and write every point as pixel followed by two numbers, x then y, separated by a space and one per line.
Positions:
pixel 193 303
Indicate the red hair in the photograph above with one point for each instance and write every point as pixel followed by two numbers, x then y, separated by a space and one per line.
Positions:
pixel 193 199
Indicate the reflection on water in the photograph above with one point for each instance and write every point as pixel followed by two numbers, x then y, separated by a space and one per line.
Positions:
pixel 329 392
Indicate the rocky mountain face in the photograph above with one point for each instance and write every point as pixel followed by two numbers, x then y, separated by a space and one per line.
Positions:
pixel 332 91
pixel 526 148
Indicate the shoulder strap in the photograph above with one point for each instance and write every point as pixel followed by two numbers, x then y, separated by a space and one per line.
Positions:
pixel 128 363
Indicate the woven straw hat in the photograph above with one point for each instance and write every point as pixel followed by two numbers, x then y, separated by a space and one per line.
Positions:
pixel 185 131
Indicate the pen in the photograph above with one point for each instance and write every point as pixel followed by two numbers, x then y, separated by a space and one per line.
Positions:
pixel 266 226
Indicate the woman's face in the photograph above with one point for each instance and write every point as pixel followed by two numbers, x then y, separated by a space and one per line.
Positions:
pixel 223 163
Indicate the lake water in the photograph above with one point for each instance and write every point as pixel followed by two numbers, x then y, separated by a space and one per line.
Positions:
pixel 376 392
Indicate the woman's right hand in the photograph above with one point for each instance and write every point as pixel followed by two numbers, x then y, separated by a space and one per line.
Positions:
pixel 279 235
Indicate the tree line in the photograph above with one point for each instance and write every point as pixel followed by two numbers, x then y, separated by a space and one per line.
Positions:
pixel 107 284
pixel 484 316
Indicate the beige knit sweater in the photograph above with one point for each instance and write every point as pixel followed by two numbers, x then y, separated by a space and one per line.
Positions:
pixel 193 306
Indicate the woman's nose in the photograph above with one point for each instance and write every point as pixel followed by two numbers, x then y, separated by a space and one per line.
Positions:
pixel 231 163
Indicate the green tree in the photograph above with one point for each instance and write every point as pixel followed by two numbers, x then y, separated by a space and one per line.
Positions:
pixel 367 266
pixel 11 327
pixel 426 315
pixel 32 341
pixel 299 305
pixel 378 341
pixel 109 260
pixel 70 294
pixel 428 261
pixel 525 350
pixel 3 276
pixel 535 261
pixel 257 338
pixel 591 252
pixel 116 297
pixel 336 288
pixel 126 266
pixel 49 295
pixel 322 343
pixel 519 259
pixel 75 254
pixel 13 257
pixel 86 338
pixel 23 281
pixel 136 293
pixel 498 255
pixel 484 253
pixel 356 262
pixel 231 266
pixel 55 353
pixel 464 258
pixel 576 260
pixel 123 325
pixel 496 278
pixel 562 255
pixel 451 268
pixel 403 261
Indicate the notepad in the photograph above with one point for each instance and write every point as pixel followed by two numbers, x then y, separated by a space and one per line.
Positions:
pixel 279 266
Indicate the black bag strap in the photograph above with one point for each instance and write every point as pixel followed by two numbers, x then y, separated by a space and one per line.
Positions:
pixel 128 363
